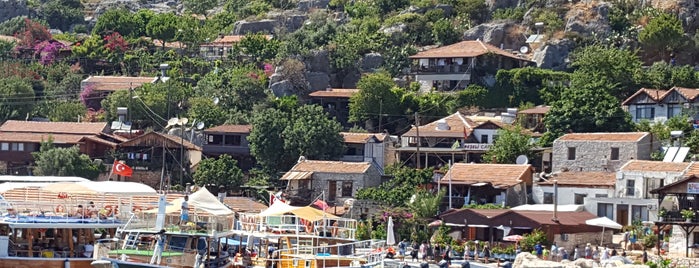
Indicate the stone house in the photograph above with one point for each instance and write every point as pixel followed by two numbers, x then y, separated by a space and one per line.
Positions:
pixel 335 101
pixel 574 187
pixel 601 151
pixel 658 105
pixel 333 181
pixel 631 199
pixel 221 47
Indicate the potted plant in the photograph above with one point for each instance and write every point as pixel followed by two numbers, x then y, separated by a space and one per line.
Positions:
pixel 687 214
pixel 661 214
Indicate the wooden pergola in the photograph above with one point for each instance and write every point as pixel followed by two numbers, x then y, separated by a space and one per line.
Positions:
pixel 686 191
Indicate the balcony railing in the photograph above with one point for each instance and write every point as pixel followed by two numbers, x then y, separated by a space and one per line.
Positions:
pixel 445 69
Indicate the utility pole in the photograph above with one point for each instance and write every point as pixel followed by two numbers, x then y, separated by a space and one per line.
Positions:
pixel 417 132
pixel 380 115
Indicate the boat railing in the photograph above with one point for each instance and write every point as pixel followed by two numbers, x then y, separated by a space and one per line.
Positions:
pixel 66 212
pixel 371 252
pixel 197 224
pixel 330 227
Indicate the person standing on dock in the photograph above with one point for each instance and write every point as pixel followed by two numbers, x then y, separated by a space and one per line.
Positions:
pixel 184 211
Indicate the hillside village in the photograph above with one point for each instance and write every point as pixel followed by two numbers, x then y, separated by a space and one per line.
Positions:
pixel 503 117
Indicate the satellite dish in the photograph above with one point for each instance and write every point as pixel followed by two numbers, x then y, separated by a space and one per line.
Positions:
pixel 522 160
pixel 184 120
pixel 216 100
pixel 200 125
pixel 524 49
pixel 173 121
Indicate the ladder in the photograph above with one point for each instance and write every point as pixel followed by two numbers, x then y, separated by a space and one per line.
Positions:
pixel 305 246
pixel 131 241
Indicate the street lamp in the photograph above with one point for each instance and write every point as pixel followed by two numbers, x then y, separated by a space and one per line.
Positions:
pixel 182 123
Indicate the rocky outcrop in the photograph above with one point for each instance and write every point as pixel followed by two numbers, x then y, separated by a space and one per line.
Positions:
pixel 447 9
pixel 263 26
pixel 282 88
pixel 157 6
pixel 371 61
pixel 589 20
pixel 507 34
pixel 307 5
pixel 290 20
pixel 498 4
pixel 553 54
pixel 317 81
pixel 12 8
pixel 318 61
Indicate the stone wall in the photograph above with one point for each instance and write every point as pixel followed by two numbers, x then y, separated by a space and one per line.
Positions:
pixel 595 155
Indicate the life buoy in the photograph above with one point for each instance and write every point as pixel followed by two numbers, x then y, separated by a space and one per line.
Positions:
pixel 60 209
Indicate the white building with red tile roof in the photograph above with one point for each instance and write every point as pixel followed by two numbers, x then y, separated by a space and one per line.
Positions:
pixel 658 105
pixel 487 183
pixel 456 66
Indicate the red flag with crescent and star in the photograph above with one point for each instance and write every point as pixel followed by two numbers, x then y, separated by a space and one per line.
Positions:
pixel 122 169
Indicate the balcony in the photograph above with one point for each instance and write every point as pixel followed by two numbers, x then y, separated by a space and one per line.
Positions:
pixel 440 69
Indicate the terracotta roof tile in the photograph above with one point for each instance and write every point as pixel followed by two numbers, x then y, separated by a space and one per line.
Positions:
pixel 351 137
pixel 654 94
pixel 606 136
pixel 39 137
pixel 53 127
pixel 541 109
pixel 114 83
pixel 228 40
pixel 154 139
pixel 175 44
pixel 564 217
pixel 656 166
pixel 243 204
pixel 335 93
pixel 230 129
pixel 585 179
pixel 689 93
pixel 692 170
pixel 498 175
pixel 464 49
pixel 331 166
pixel 459 127
pixel 8 38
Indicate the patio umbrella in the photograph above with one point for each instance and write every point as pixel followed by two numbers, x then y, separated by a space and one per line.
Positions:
pixel 512 238
pixel 390 237
pixel 603 222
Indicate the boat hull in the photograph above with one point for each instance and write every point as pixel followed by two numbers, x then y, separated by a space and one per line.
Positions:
pixel 15 262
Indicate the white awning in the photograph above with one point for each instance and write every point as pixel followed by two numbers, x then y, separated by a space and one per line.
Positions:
pixel 101 187
pixel 297 175
pixel 200 200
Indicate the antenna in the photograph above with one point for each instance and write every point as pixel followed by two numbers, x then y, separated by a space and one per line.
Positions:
pixel 524 49
pixel 200 125
pixel 522 160
pixel 184 120
pixel 173 121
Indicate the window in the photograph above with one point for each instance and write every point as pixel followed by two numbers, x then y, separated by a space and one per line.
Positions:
pixel 18 147
pixel 215 139
pixel 673 110
pixel 639 213
pixel 605 210
pixel 601 195
pixel 233 140
pixel 645 112
pixel 346 188
pixel 548 198
pixel 564 237
pixel 4 146
pixel 630 187
pixel 580 199
pixel 615 154
pixel 571 153
pixel 484 138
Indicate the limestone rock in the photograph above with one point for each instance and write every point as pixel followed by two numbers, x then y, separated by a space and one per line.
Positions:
pixel 282 88
pixel 592 21
pixel 307 5
pixel 371 61
pixel 263 26
pixel 317 81
pixel 318 61
pixel 497 34
pixel 553 54
pixel 448 9
pixel 291 20
pixel 12 8
pixel 351 79
pixel 498 4
pixel 275 77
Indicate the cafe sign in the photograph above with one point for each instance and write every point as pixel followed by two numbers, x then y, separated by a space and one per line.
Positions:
pixel 477 146
pixel 693 188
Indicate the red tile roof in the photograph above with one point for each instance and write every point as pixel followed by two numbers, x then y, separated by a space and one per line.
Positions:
pixel 564 217
pixel 39 137
pixel 464 49
pixel 689 93
pixel 536 110
pixel 155 139
pixel 331 166
pixel 498 175
pixel 243 204
pixel 606 136
pixel 654 166
pixel 53 127
pixel 692 170
pixel 351 137
pixel 335 93
pixel 114 83
pixel 654 94
pixel 458 127
pixel 228 40
pixel 230 129
pixel 584 179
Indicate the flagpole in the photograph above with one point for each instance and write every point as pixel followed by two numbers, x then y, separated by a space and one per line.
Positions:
pixel 112 169
pixel 450 175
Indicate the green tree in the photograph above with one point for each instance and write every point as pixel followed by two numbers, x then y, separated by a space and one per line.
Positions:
pixel 530 84
pixel 16 98
pixel 313 134
pixel 51 161
pixel 267 142
pixel 444 32
pixel 149 103
pixel 117 20
pixel 510 144
pixel 621 69
pixel 663 33
pixel 375 97
pixel 221 171
pixel 6 49
pixel 163 26
pixel 425 205
pixel 585 107
pixel 258 46
pixel 200 6
pixel 398 189
pixel 66 111
pixel 61 14
pixel 205 110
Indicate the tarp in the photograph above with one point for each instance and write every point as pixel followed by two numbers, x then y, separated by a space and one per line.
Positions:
pixel 101 187
pixel 200 200
pixel 306 213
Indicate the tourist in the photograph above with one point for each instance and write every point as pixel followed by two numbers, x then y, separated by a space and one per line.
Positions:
pixel 430 251
pixel 546 254
pixel 402 246
pixel 554 251
pixel 422 254
pixel 184 211
pixel 588 251
pixel 486 253
pixel 605 254
pixel 89 249
pixel 159 246
pixel 595 254
pixel 539 250
pixel 80 212
pixel 467 253
pixel 576 253
pixel 91 210
pixel 564 254
pixel 645 256
pixel 614 253
pixel 447 254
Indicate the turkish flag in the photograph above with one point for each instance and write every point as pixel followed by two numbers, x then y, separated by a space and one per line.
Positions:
pixel 122 169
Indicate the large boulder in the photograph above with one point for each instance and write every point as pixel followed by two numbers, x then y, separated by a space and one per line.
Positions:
pixel 157 6
pixel 291 20
pixel 317 81
pixel 589 21
pixel 371 61
pixel 351 79
pixel 318 61
pixel 282 88
pixel 505 34
pixel 447 9
pixel 527 260
pixel 262 26
pixel 553 54
pixel 12 8
pixel 307 5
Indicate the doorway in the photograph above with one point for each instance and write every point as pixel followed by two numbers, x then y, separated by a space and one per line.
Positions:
pixel 332 190
pixel 622 214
